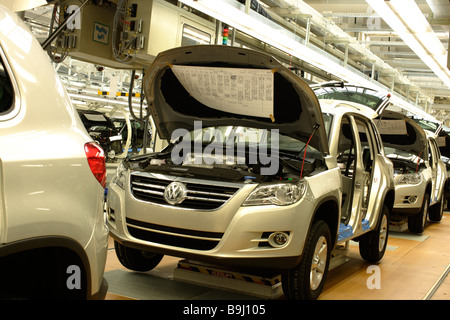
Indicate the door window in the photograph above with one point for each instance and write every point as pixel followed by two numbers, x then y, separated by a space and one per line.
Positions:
pixel 367 152
pixel 6 90
pixel 194 36
pixel 432 154
pixel 346 148
pixel 347 163
pixel 356 155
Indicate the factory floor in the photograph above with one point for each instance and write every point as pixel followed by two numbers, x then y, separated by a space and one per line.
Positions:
pixel 413 268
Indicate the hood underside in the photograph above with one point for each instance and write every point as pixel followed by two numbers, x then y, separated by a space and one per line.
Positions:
pixel 229 86
pixel 400 132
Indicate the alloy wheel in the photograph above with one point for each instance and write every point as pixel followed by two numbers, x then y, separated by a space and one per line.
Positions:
pixel 319 262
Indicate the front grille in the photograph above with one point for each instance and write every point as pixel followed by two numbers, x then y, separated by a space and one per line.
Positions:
pixel 178 237
pixel 198 196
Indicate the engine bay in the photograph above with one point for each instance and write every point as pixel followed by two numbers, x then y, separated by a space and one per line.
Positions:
pixel 241 167
pixel 404 166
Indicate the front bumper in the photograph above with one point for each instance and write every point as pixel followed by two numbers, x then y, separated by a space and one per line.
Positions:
pixel 409 198
pixel 264 263
pixel 239 235
pixel 101 293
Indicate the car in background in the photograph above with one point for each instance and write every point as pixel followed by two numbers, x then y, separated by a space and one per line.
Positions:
pixel 102 130
pixel 53 235
pixel 136 132
pixel 249 172
pixel 442 137
pixel 420 174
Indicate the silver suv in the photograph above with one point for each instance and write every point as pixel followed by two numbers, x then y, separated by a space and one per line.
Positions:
pixel 53 234
pixel 249 172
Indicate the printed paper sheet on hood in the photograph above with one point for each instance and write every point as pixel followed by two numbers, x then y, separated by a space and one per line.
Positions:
pixel 397 127
pixel 236 90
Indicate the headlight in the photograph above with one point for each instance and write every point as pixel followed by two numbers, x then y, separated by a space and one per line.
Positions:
pixel 119 178
pixel 410 178
pixel 278 194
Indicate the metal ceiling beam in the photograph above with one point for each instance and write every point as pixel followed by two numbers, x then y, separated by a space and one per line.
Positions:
pixel 387 43
pixel 331 14
pixel 395 53
pixel 366 29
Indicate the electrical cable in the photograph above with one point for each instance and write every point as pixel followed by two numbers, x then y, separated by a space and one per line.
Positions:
pixel 119 20
pixel 143 120
pixel 53 54
pixel 418 161
pixel 316 126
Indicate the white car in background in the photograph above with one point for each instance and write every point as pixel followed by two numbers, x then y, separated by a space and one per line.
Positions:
pixel 441 135
pixel 53 235
pixel 420 174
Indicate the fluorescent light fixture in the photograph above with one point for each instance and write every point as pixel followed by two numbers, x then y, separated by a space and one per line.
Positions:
pixel 196 35
pixel 406 18
pixel 21 5
pixel 233 13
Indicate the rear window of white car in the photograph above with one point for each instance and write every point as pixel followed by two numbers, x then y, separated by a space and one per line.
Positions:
pixel 6 90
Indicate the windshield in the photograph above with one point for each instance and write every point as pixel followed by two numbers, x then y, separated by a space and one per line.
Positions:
pixel 427 125
pixel 364 96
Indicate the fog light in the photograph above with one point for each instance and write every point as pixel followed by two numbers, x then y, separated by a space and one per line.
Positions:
pixel 278 239
pixel 412 199
pixel 111 215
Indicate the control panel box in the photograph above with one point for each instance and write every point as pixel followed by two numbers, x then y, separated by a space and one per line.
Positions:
pixel 160 25
pixel 129 34
pixel 89 35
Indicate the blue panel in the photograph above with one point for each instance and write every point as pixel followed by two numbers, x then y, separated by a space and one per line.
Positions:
pixel 365 225
pixel 344 232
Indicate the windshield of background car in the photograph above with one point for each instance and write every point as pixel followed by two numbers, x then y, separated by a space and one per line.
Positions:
pixel 427 125
pixel 241 138
pixel 364 96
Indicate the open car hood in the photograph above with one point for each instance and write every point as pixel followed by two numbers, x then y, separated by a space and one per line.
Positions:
pixel 230 86
pixel 400 132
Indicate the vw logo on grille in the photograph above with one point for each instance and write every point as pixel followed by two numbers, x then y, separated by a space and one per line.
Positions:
pixel 175 193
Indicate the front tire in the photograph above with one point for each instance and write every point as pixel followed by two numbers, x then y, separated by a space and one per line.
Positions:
pixel 305 281
pixel 436 211
pixel 137 260
pixel 417 222
pixel 373 244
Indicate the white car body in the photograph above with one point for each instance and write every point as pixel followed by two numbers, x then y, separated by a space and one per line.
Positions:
pixel 419 173
pixel 439 170
pixel 51 204
pixel 254 227
pixel 411 164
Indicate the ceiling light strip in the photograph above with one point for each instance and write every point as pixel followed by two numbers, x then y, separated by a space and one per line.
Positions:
pixel 407 20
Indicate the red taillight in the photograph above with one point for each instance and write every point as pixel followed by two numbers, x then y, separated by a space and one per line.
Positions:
pixel 96 159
